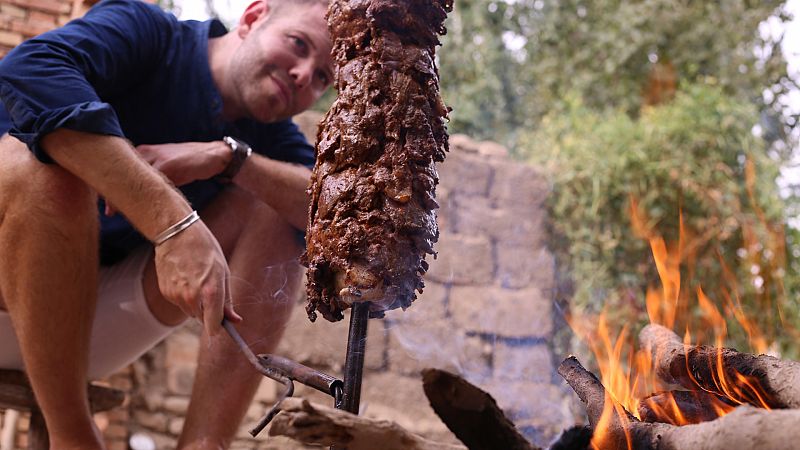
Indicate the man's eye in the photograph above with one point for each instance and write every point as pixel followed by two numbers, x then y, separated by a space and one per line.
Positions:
pixel 298 43
pixel 324 78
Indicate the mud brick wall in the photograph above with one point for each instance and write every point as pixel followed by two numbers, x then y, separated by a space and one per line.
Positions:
pixel 486 313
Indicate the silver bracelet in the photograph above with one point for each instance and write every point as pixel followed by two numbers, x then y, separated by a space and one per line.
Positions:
pixel 183 224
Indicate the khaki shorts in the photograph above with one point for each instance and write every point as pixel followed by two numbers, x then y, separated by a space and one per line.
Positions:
pixel 124 328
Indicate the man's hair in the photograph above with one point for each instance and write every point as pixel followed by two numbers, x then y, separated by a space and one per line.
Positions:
pixel 276 6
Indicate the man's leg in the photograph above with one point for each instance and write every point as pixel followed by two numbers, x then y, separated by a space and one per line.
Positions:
pixel 262 251
pixel 48 281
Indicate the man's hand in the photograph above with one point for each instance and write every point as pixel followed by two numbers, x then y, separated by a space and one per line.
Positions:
pixel 193 275
pixel 188 161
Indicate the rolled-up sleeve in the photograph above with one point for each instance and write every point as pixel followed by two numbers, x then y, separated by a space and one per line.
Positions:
pixel 61 78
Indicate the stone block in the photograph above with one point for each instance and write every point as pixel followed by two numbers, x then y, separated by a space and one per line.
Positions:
pixel 402 400
pixel 542 406
pixel 523 362
pixel 176 405
pixel 462 260
pixel 429 307
pixel 517 185
pixel 180 379
pixel 323 344
pixel 463 143
pixel 492 149
pixel 10 39
pixel 416 346
pixel 464 173
pixel 521 266
pixel 267 391
pixel 51 6
pixel 175 426
pixel 10 10
pixel 511 226
pixel 30 28
pixel 182 348
pixel 524 313
pixel 152 421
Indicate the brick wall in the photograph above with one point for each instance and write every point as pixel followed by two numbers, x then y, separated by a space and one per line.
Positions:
pixel 23 19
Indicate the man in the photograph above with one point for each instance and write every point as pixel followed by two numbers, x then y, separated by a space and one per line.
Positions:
pixel 111 110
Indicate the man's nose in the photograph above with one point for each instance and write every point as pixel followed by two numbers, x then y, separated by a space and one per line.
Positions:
pixel 302 74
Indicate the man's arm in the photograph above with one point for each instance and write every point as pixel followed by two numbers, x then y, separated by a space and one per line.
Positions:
pixel 281 185
pixel 192 270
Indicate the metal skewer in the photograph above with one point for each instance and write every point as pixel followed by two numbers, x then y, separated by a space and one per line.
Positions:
pixel 354 361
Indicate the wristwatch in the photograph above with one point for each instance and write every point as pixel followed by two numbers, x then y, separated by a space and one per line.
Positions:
pixel 240 152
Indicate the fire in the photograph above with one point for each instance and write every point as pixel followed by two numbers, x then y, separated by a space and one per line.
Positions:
pixel 628 374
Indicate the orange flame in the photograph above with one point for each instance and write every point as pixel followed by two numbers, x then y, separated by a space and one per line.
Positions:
pixel 629 376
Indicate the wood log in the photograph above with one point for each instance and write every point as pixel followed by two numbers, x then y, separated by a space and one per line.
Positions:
pixel 470 413
pixel 745 427
pixel 322 425
pixel 695 367
pixel 683 407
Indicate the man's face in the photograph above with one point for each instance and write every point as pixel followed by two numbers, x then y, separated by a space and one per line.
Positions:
pixel 284 65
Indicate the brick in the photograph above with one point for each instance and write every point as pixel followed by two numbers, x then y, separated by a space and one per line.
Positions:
pixel 52 6
pixel 175 426
pixel 176 404
pixel 531 362
pixel 463 143
pixel 462 260
pixel 115 432
pixel 180 379
pixel 517 185
pixel 42 17
pixel 522 313
pixel 30 28
pixel 7 9
pixel 526 399
pixel 10 39
pixel 323 344
pixel 464 173
pixel 492 149
pixel 427 308
pixel 308 122
pixel 510 226
pixel 267 391
pixel 152 421
pixel 402 400
pixel 521 266
pixel 182 348
pixel 413 347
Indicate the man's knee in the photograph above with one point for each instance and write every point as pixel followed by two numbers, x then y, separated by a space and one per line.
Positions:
pixel 34 191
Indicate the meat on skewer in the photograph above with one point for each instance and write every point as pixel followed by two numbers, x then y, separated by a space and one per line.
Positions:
pixel 372 219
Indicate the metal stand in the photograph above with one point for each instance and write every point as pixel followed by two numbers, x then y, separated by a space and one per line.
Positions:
pixel 346 394
pixel 354 362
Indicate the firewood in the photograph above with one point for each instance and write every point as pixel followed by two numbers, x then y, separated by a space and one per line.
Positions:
pixel 683 407
pixel 695 367
pixel 322 425
pixel 745 427
pixel 470 413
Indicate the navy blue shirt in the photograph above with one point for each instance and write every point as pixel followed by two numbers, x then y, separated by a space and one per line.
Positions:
pixel 129 69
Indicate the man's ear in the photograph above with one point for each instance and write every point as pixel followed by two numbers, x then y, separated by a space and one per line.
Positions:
pixel 257 10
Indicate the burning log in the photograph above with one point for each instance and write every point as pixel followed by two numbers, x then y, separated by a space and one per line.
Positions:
pixel 615 428
pixel 683 407
pixel 315 424
pixel 371 220
pixel 762 381
pixel 470 413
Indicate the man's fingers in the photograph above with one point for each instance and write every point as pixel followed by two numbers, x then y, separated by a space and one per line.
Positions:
pixel 227 310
